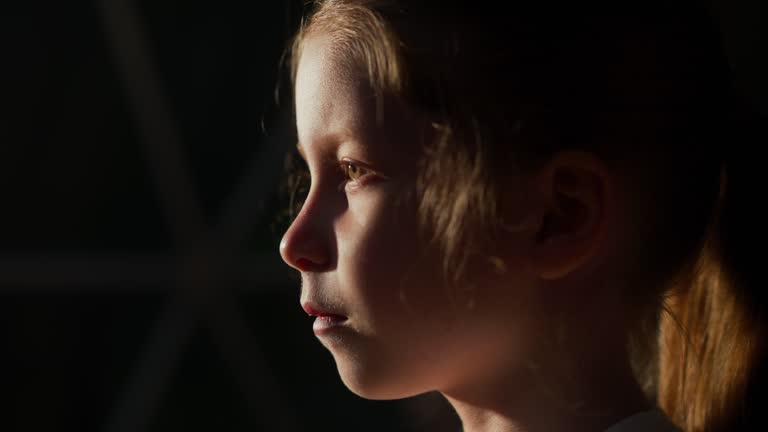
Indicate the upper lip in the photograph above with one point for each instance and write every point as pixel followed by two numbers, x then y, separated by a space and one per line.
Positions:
pixel 313 309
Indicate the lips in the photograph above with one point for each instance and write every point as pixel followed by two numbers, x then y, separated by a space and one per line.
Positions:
pixel 326 320
pixel 314 310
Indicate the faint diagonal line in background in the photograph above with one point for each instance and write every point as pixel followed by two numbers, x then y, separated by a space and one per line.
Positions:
pixel 148 385
pixel 183 212
pixel 99 273
pixel 155 121
pixel 142 394
pixel 235 222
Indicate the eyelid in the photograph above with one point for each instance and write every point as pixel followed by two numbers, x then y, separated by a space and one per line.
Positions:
pixel 341 165
pixel 368 172
pixel 362 165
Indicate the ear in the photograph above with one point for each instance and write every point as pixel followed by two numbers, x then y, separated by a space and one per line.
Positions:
pixel 573 189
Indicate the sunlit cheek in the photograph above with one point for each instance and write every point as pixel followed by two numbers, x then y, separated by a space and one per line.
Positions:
pixel 374 246
pixel 365 206
pixel 369 225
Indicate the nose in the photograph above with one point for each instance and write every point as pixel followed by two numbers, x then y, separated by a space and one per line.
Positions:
pixel 305 246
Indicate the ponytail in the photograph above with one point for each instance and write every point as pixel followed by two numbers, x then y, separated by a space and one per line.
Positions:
pixel 712 336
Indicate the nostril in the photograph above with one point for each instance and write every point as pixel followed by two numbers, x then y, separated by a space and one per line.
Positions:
pixel 305 264
pixel 302 256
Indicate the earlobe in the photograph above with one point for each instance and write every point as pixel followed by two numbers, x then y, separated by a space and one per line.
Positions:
pixel 574 187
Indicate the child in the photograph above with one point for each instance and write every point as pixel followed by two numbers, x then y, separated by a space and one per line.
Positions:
pixel 528 208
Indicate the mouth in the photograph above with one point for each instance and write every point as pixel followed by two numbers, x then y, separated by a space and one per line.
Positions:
pixel 325 321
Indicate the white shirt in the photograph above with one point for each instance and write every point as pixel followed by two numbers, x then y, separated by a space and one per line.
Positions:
pixel 646 421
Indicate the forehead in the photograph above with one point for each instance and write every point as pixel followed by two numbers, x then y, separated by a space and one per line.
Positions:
pixel 335 103
pixel 332 97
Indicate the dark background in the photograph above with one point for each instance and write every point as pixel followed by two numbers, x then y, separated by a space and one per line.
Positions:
pixel 141 153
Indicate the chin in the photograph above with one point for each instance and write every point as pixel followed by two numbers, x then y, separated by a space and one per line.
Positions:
pixel 376 383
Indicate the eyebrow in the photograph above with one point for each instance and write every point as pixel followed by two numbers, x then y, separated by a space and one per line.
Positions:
pixel 344 135
pixel 300 148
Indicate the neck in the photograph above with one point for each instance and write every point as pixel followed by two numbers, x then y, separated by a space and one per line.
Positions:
pixel 585 394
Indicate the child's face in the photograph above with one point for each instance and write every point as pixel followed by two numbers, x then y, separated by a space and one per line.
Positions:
pixel 356 244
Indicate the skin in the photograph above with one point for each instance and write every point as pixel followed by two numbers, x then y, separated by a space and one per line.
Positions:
pixel 537 347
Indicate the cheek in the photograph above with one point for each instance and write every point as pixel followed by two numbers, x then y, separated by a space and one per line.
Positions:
pixel 375 243
pixel 396 284
pixel 411 336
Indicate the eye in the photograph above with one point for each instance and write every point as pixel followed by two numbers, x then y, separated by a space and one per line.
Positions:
pixel 353 171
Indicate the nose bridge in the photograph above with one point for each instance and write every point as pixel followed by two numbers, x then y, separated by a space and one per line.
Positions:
pixel 309 244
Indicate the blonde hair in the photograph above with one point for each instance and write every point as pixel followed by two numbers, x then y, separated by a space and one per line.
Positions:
pixel 500 102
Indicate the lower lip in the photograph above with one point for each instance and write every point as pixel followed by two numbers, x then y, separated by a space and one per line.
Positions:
pixel 328 323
